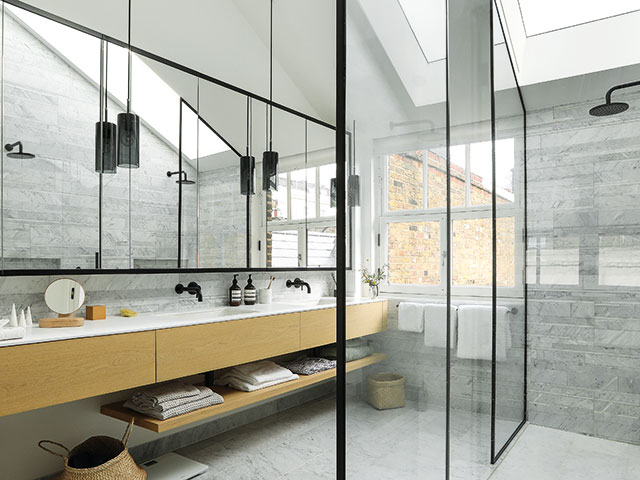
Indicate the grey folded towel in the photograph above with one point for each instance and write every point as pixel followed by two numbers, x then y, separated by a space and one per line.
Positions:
pixel 165 392
pixel 309 365
pixel 205 398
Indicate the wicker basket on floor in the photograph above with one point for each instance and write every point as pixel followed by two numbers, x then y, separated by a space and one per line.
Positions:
pixel 385 390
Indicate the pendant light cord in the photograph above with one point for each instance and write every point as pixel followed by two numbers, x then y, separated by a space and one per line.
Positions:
pixel 106 82
pixel 129 60
pixel 270 76
pixel 247 147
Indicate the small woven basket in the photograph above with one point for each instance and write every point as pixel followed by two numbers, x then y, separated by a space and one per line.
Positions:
pixel 98 458
pixel 385 390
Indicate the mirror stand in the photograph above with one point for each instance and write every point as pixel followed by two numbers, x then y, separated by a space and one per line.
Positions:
pixel 62 320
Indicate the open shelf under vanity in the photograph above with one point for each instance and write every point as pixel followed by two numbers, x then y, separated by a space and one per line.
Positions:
pixel 233 399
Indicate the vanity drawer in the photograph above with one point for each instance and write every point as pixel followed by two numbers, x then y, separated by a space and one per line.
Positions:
pixel 365 319
pixel 43 374
pixel 318 327
pixel 196 349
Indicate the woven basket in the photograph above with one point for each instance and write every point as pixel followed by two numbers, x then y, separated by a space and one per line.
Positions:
pixel 385 390
pixel 98 458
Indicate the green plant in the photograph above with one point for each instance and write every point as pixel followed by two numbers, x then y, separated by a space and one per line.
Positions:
pixel 374 277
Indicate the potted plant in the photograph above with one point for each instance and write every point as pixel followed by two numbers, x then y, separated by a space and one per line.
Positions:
pixel 373 279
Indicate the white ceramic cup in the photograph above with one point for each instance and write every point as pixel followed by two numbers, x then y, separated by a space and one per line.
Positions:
pixel 265 295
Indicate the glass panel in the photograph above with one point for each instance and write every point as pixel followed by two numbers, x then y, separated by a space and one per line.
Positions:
pixel 509 409
pixel 279 200
pixel 458 175
pixel 401 124
pixel 414 253
pixel 303 193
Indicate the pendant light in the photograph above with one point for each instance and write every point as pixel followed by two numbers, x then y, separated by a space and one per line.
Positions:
pixel 105 143
pixel 248 161
pixel 128 123
pixel 269 157
pixel 353 182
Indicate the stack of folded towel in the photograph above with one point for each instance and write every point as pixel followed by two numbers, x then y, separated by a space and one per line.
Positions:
pixel 170 399
pixel 356 349
pixel 255 376
pixel 309 365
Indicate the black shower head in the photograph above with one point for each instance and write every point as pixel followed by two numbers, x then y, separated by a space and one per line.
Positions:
pixel 610 108
pixel 19 154
pixel 183 178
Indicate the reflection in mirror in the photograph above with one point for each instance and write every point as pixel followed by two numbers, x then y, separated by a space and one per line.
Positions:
pixel 51 76
pixel 64 296
pixel 222 216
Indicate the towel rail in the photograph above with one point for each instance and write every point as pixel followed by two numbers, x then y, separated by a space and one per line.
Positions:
pixel 513 310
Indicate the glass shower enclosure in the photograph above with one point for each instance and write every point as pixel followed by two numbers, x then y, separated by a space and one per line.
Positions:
pixel 441 153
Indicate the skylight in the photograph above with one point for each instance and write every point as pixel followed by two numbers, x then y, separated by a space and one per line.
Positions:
pixel 544 16
pixel 152 98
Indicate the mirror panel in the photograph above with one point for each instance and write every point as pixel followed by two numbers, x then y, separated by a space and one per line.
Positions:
pixel 51 103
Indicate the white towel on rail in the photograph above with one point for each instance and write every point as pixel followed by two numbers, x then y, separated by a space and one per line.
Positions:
pixel 474 332
pixel 435 325
pixel 411 317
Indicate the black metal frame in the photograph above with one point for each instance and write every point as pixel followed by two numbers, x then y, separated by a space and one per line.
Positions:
pixel 341 309
pixel 197 74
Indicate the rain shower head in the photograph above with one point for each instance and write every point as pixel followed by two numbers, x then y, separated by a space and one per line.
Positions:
pixel 19 154
pixel 183 178
pixel 609 107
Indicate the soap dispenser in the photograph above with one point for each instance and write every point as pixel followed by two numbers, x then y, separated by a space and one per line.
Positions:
pixel 235 293
pixel 250 293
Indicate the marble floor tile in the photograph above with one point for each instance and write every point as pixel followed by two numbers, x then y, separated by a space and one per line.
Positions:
pixel 543 453
pixel 299 444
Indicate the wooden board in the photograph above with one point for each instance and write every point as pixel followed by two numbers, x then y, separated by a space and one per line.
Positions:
pixel 43 374
pixel 233 399
pixel 195 349
pixel 364 319
pixel 60 322
pixel 317 327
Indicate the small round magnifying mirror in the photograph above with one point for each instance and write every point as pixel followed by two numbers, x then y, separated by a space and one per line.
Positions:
pixel 65 297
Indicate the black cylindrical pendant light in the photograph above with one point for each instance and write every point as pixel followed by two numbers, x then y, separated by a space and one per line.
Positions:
pixel 353 182
pixel 106 143
pixel 129 123
pixel 269 157
pixel 248 161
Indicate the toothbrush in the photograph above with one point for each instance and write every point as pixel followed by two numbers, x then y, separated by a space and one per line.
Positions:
pixel 271 279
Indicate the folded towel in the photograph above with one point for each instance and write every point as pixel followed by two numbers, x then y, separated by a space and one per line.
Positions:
pixel 435 325
pixel 11 333
pixel 205 398
pixel 239 384
pixel 165 392
pixel 257 373
pixel 309 365
pixel 411 317
pixel 203 392
pixel 474 332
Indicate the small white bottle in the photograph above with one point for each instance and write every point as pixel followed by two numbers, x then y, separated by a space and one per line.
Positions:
pixel 22 322
pixel 13 319
pixel 29 317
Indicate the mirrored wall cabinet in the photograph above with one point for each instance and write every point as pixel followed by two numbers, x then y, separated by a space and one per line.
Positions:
pixel 118 159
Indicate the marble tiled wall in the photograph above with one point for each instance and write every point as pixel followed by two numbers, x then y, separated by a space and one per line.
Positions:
pixel 583 270
pixel 51 202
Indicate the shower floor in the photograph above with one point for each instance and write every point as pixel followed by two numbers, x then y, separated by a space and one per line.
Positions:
pixel 392 444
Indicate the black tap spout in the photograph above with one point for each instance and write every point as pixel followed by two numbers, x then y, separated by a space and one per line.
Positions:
pixel 193 288
pixel 298 284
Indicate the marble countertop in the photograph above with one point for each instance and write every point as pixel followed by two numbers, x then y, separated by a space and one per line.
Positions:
pixel 155 321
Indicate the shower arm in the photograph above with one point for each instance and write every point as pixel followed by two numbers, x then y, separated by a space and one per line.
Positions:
pixel 607 96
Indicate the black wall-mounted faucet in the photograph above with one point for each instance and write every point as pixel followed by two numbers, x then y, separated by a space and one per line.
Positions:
pixel 193 288
pixel 298 284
